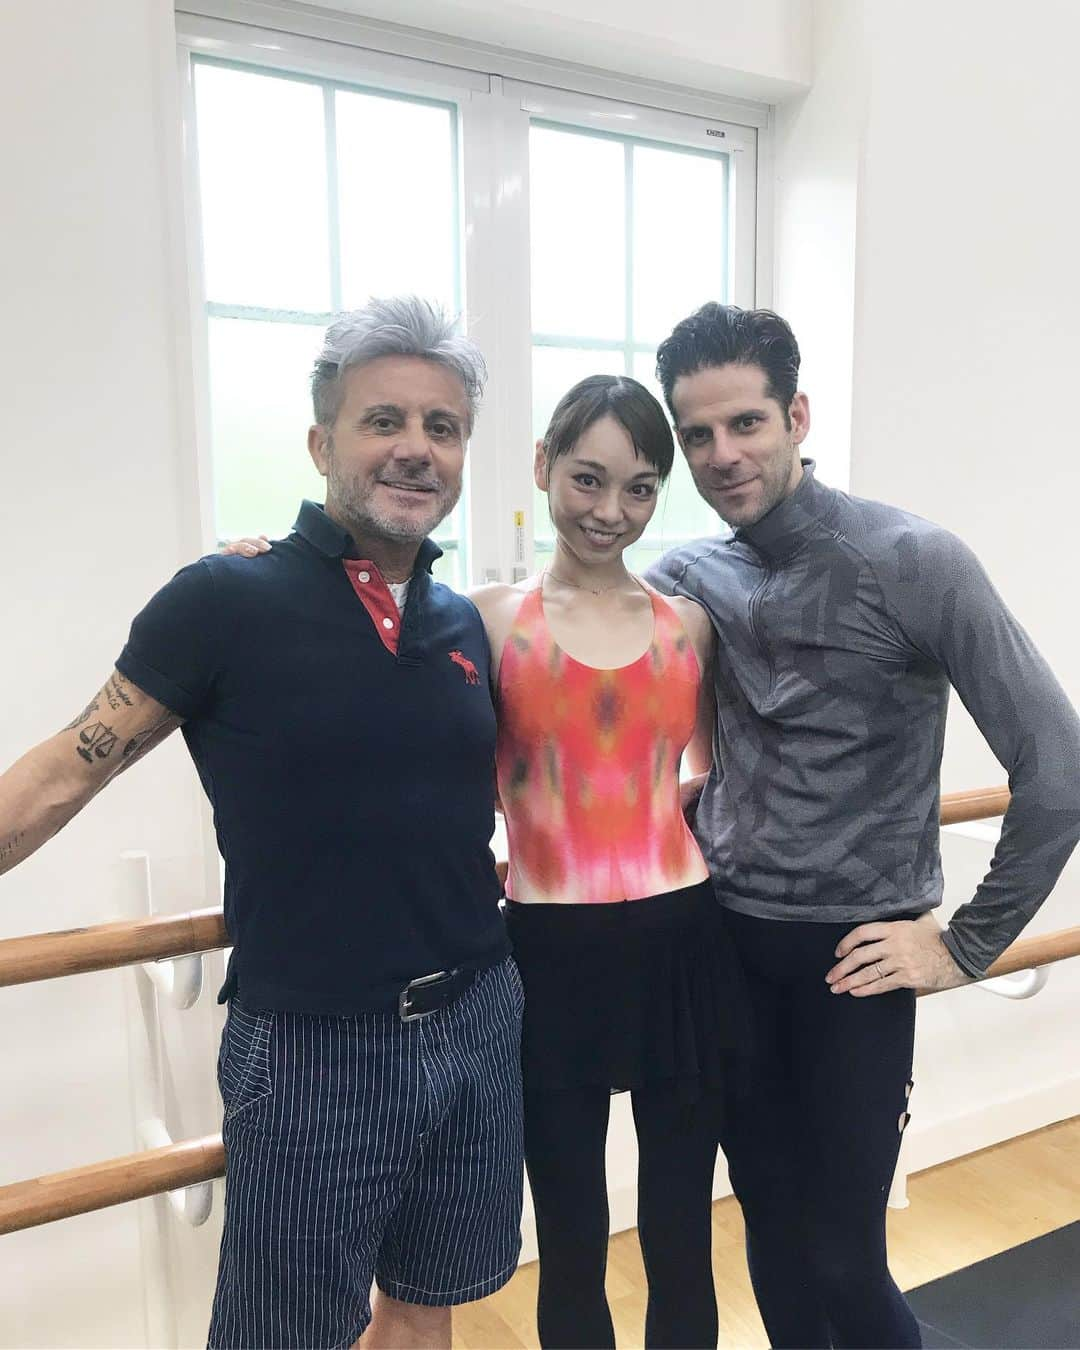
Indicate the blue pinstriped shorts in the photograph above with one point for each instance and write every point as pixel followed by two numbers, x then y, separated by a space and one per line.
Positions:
pixel 364 1148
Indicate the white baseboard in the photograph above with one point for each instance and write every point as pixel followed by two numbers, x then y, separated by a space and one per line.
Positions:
pixel 937 1141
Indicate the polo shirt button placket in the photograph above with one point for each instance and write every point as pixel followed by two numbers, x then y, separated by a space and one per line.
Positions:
pixel 377 599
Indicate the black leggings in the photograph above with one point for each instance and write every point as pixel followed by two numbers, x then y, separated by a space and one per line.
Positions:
pixel 812 1135
pixel 565 1134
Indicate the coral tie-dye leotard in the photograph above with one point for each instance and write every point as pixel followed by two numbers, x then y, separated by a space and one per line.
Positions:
pixel 587 764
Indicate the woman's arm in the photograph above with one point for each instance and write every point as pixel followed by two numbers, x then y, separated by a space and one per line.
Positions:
pixel 698 756
pixel 497 603
pixel 699 750
pixel 490 601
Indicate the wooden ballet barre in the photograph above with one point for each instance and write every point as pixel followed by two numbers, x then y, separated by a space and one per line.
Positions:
pixel 128 942
pixel 976 804
pixel 26 1204
pixel 46 956
pixel 61 1195
pixel 1031 952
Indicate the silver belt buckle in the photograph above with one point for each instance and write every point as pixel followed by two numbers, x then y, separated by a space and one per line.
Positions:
pixel 405 1006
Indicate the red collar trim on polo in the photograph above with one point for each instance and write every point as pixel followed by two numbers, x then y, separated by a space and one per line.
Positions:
pixel 367 581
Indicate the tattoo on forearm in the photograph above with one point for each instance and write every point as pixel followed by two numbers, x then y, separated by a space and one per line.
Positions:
pixel 10 846
pixel 98 741
pixel 85 715
pixel 143 741
pixel 138 742
pixel 115 692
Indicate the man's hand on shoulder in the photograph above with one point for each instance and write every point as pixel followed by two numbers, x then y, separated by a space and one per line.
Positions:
pixel 247 546
pixel 876 958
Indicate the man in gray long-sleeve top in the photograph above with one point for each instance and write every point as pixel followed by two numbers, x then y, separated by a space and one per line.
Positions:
pixel 841 624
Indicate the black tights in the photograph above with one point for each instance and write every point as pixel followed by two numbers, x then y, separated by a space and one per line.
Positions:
pixel 812 1138
pixel 565 1134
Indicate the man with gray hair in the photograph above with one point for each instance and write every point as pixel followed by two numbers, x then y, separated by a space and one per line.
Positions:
pixel 335 700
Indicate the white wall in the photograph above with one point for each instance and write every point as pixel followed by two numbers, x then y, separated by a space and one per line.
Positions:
pixel 969 288
pixel 96 510
pixel 817 153
pixel 743 48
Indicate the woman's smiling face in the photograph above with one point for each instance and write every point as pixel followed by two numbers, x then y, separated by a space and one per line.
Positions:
pixel 601 492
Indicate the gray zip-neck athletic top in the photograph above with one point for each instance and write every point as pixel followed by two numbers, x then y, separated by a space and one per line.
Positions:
pixel 841 624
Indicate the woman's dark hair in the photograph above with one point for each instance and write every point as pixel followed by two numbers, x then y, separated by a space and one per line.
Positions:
pixel 722 335
pixel 618 396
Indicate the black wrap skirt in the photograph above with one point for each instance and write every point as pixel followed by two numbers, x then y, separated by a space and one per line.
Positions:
pixel 637 993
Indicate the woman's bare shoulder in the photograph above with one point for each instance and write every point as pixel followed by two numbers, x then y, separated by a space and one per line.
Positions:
pixel 495 597
pixel 498 603
pixel 491 597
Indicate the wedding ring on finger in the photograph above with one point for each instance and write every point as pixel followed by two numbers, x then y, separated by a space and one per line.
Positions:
pixel 880 972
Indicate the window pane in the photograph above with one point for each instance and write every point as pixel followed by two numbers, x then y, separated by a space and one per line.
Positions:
pixel 577 208
pixel 448 568
pixel 681 514
pixel 641 556
pixel 680 237
pixel 260 407
pixel 262 170
pixel 555 370
pixel 452 568
pixel 396 178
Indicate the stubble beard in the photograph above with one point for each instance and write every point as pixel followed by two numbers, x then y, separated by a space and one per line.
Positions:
pixel 353 500
pixel 774 480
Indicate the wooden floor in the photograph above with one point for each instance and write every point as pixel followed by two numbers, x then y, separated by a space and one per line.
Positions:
pixel 961 1212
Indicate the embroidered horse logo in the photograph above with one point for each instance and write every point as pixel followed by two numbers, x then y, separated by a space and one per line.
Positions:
pixel 472 675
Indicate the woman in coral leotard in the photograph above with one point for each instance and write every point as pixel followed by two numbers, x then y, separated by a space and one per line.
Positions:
pixel 602 686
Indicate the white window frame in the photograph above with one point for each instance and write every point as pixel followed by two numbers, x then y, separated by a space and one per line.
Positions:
pixel 603 116
pixel 497 95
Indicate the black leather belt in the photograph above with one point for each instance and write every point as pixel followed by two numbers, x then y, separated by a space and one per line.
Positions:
pixel 426 995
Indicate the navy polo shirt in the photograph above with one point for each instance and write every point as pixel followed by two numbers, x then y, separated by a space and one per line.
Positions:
pixel 348 755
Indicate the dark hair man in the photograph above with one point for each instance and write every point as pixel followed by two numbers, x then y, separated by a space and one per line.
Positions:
pixel 841 625
pixel 335 700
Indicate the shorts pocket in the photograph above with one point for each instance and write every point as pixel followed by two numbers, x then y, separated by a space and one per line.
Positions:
pixel 244 1062
pixel 516 984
